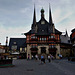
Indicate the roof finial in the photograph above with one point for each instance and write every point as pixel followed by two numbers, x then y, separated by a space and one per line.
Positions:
pixel 42 13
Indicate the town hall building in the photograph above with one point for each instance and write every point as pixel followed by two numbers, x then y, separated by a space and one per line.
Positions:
pixel 43 38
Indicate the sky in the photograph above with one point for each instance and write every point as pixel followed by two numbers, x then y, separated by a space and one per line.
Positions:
pixel 16 16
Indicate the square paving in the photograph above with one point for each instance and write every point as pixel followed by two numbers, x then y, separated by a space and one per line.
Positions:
pixel 33 67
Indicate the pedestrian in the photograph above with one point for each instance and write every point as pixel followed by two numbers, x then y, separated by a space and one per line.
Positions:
pixel 42 58
pixel 49 58
pixel 36 57
pixel 60 56
pixel 32 57
pixel 28 56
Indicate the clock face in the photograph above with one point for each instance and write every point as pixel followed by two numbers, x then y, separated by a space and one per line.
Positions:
pixel 42 22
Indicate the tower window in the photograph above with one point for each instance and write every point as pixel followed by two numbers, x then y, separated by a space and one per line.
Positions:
pixel 42 22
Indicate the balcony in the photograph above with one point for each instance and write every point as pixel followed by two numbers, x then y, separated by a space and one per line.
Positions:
pixel 39 42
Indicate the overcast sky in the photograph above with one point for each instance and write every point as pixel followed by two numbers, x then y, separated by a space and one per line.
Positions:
pixel 16 16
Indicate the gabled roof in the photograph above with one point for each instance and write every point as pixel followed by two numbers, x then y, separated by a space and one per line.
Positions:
pixel 65 39
pixel 57 31
pixel 29 32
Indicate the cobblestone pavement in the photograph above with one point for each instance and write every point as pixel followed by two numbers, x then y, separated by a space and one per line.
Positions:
pixel 32 67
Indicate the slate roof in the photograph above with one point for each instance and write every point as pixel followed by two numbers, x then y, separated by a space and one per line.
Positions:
pixel 57 31
pixel 29 32
pixel 43 29
pixel 65 39
pixel 43 32
pixel 20 42
pixel 73 30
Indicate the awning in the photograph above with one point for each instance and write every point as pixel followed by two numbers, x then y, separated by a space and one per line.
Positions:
pixel 15 53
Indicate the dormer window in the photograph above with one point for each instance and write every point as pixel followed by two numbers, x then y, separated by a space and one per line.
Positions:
pixel 14 43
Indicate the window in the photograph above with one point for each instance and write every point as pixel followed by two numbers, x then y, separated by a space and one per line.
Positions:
pixel 52 36
pixel 52 46
pixel 33 37
pixel 14 47
pixel 42 22
pixel 33 46
pixel 20 49
pixel 45 38
pixel 40 39
pixel 49 37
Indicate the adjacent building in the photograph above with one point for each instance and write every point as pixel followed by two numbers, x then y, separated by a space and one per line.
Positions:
pixel 65 45
pixel 17 47
pixel 72 37
pixel 2 48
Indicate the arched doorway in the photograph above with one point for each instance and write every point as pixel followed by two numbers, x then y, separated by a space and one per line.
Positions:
pixel 43 50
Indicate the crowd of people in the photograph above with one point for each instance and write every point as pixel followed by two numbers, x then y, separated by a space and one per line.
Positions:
pixel 42 58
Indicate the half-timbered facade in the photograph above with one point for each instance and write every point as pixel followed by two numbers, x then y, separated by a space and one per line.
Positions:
pixel 43 38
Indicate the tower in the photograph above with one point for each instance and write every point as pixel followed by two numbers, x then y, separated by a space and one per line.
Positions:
pixel 33 27
pixel 42 13
pixel 51 22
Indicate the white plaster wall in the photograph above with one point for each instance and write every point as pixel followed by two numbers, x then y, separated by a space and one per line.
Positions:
pixel 28 50
pixel 58 50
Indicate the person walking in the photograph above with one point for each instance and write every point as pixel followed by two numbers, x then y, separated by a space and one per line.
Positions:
pixel 49 58
pixel 28 56
pixel 36 57
pixel 32 57
pixel 42 58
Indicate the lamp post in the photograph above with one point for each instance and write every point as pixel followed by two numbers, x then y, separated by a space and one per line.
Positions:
pixel 6 44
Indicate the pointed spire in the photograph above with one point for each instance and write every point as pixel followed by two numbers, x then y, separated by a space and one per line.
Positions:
pixel 34 17
pixel 66 33
pixel 50 16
